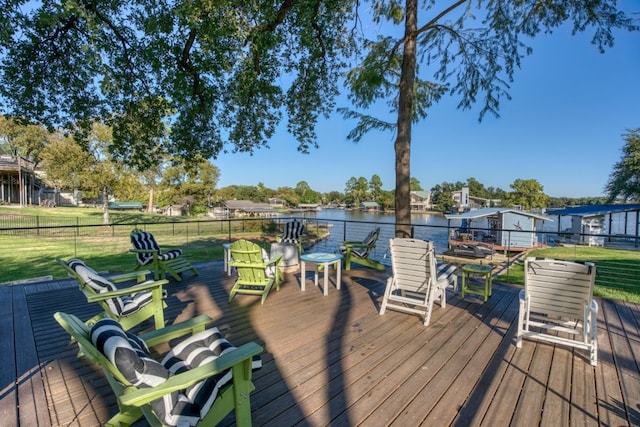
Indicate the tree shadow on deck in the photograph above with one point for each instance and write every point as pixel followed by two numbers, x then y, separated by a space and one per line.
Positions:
pixel 78 389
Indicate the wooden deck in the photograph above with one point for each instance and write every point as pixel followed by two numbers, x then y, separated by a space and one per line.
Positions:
pixel 332 360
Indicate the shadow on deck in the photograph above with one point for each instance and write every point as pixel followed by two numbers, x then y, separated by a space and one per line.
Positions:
pixel 333 360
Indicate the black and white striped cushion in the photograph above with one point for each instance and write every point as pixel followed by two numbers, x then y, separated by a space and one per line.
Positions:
pixel 145 240
pixel 122 306
pixel 444 270
pixel 130 357
pixel 362 252
pixel 292 231
pixel 196 351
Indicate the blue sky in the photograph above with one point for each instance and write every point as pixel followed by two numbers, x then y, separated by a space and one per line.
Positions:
pixel 563 127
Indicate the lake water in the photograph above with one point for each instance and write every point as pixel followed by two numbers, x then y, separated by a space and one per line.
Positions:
pixel 437 231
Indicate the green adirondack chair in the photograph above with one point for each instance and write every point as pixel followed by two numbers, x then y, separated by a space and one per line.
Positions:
pixel 129 306
pixel 159 391
pixel 358 252
pixel 149 255
pixel 257 273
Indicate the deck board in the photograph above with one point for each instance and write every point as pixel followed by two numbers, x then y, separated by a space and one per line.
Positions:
pixel 8 389
pixel 333 360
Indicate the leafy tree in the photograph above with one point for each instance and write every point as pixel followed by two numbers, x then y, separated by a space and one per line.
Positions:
pixel 356 190
pixel 191 184
pixel 22 141
pixel 527 193
pixel 375 187
pixel 442 196
pixel 302 187
pixel 468 49
pixel 333 197
pixel 289 195
pixel 414 184
pixel 209 72
pixel 65 162
pixel 624 181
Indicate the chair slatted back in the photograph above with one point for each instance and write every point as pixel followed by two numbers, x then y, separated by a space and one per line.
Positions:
pixel 249 253
pixel 144 240
pixel 413 264
pixel 556 287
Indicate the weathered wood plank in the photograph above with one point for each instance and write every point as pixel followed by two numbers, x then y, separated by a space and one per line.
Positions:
pixel 32 401
pixel 610 401
pixel 333 360
pixel 628 372
pixel 8 389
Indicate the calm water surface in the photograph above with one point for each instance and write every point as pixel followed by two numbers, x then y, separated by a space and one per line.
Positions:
pixel 341 228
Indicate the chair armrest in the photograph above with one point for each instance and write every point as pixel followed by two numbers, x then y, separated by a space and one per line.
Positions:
pixel 140 276
pixel 250 264
pixel 275 259
pixel 144 251
pixel 142 396
pixel 149 285
pixel 358 245
pixel 188 327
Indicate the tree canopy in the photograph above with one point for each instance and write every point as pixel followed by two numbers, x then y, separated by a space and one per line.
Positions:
pixel 211 76
pixel 624 181
pixel 468 49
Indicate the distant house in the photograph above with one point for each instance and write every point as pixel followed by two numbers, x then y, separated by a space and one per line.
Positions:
pixel 619 220
pixel 309 206
pixel 247 208
pixel 369 206
pixel 509 228
pixel 175 210
pixel 420 201
pixel 17 177
pixel 465 201
pixel 275 202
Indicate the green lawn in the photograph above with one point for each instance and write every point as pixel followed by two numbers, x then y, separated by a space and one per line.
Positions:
pixel 618 270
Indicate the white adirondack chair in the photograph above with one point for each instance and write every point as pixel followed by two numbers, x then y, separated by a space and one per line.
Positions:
pixel 417 279
pixel 557 304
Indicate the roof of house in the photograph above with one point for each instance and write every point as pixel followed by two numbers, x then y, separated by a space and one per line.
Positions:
pixel 423 194
pixel 592 210
pixel 248 205
pixel 370 204
pixel 481 213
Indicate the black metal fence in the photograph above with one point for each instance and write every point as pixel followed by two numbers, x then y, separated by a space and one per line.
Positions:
pixel 36 241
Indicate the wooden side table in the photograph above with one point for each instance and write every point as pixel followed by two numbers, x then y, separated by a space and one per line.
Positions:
pixel 485 271
pixel 321 261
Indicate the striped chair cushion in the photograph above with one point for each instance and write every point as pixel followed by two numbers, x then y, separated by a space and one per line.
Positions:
pixel 121 306
pixel 444 270
pixel 292 231
pixel 362 252
pixel 145 241
pixel 130 356
pixel 196 351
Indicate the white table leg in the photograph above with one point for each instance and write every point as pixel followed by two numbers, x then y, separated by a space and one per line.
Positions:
pixel 227 257
pixel 339 274
pixel 302 275
pixel 327 266
pixel 315 274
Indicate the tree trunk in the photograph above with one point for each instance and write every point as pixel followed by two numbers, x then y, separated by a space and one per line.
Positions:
pixel 105 206
pixel 151 195
pixel 405 109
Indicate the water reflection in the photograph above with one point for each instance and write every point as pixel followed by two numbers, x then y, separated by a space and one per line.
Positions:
pixel 340 230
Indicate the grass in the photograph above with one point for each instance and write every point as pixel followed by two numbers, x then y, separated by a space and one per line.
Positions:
pixel 617 270
pixel 31 253
pixel 28 254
